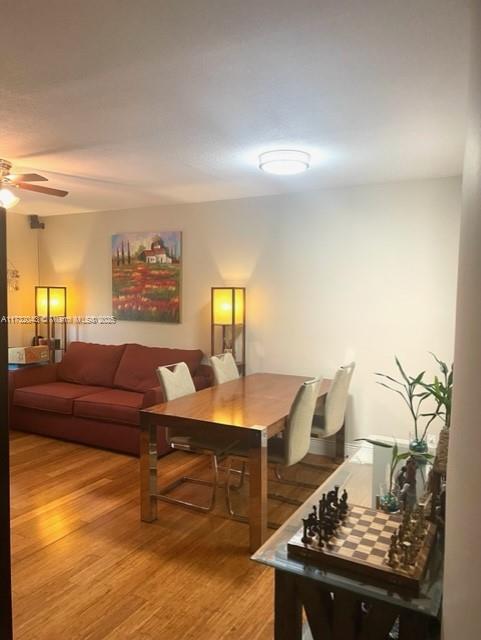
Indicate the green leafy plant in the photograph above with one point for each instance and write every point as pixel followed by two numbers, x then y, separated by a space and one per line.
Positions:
pixel 441 390
pixel 408 388
pixel 396 457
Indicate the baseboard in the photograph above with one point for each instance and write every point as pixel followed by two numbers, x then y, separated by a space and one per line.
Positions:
pixel 325 447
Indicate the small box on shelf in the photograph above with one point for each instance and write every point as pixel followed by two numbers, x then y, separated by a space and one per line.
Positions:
pixel 28 355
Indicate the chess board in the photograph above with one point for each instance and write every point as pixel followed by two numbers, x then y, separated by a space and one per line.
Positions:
pixel 361 546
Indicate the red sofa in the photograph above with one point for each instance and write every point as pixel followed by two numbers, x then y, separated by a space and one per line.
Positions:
pixel 94 395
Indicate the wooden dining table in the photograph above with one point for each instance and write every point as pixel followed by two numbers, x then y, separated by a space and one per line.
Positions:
pixel 252 409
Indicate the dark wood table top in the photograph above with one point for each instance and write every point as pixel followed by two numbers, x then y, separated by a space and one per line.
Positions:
pixel 255 402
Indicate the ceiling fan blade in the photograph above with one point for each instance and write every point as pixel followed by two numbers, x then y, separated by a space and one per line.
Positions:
pixel 47 190
pixel 25 177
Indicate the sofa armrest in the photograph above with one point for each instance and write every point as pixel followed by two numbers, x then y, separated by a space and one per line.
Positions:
pixel 153 396
pixel 43 374
pixel 203 377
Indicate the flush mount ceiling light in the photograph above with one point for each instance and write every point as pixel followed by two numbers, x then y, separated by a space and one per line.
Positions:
pixel 7 199
pixel 284 162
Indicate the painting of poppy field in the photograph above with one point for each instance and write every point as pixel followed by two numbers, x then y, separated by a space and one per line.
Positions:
pixel 146 276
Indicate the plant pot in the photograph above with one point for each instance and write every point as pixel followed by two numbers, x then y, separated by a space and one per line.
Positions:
pixel 419 446
pixel 389 503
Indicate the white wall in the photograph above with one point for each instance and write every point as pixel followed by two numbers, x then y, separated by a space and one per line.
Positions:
pixel 331 276
pixel 22 252
pixel 462 612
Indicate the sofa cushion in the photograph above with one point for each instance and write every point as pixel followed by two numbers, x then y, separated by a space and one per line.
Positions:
pixel 90 363
pixel 56 397
pixel 136 371
pixel 112 405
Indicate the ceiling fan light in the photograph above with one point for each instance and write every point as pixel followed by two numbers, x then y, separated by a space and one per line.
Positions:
pixel 284 162
pixel 8 199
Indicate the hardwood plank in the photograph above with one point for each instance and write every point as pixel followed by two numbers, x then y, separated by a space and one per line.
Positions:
pixel 85 567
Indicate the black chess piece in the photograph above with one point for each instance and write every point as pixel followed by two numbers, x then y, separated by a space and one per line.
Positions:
pixel 331 497
pixel 311 525
pixel 336 494
pixel 329 529
pixel 306 538
pixel 343 506
pixel 322 505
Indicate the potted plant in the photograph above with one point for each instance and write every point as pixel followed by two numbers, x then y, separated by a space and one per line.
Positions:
pixel 390 500
pixel 441 390
pixel 413 393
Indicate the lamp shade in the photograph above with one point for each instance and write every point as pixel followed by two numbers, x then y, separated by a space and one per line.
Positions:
pixel 51 301
pixel 227 305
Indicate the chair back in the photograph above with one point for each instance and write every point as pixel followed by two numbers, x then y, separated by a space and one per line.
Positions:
pixel 175 380
pixel 336 401
pixel 297 434
pixel 224 368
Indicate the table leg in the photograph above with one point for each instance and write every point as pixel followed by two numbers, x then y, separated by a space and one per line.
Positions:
pixel 413 625
pixel 257 489
pixel 148 471
pixel 288 608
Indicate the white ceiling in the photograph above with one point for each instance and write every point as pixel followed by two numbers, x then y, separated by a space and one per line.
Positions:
pixel 146 102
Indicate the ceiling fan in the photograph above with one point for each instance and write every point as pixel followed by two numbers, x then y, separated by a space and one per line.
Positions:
pixel 21 181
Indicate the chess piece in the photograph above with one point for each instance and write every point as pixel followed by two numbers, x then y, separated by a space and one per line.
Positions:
pixel 411 467
pixel 343 506
pixel 322 505
pixel 392 558
pixel 306 538
pixel 406 518
pixel 392 553
pixel 311 525
pixel 336 494
pixel 401 478
pixel 331 498
pixel 406 546
pixel 394 540
pixel 400 533
pixel 412 555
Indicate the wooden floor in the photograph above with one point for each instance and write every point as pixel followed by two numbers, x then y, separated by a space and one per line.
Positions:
pixel 85 567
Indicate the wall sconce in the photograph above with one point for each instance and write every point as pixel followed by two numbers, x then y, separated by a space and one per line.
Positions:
pixel 228 323
pixel 51 310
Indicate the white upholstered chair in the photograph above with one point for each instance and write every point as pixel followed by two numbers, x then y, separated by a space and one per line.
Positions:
pixel 331 421
pixel 296 440
pixel 224 368
pixel 176 381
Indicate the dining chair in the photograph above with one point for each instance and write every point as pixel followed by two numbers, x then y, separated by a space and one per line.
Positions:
pixel 224 368
pixel 176 381
pixel 292 447
pixel 332 421
pixel 327 424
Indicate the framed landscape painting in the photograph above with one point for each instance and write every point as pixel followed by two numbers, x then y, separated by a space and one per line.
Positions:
pixel 146 276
